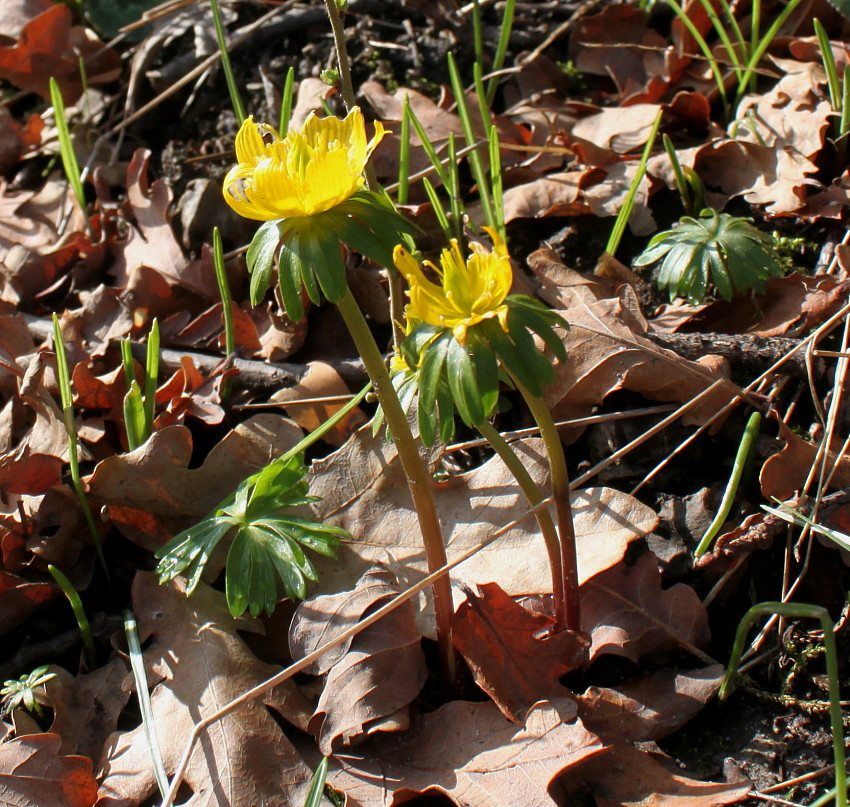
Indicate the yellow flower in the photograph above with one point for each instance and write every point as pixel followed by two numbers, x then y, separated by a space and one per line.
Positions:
pixel 469 292
pixel 302 174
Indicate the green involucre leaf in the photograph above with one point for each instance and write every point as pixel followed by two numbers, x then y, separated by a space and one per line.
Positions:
pixel 260 258
pixel 716 249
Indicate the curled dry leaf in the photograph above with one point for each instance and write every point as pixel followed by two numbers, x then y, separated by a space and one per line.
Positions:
pixel 196 663
pixel 627 613
pixel 626 777
pixel 512 652
pixel 33 772
pixel 374 676
pixel 651 706
pixel 363 490
pixel 472 754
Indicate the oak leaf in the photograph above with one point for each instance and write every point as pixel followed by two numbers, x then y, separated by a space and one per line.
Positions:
pixel 373 677
pixel 196 663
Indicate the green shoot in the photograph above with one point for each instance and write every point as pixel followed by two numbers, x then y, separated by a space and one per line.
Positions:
pixel 235 99
pixel 434 158
pixel 139 408
pixel 477 37
pixel 797 611
pixel 79 613
pixel 475 161
pixel 226 305
pixel 626 210
pixel 27 692
pixel 137 664
pixel 838 89
pixel 404 154
pixel 66 150
pixel 453 188
pixel 745 451
pixel 437 206
pixel 501 49
pixel 286 102
pixel 679 174
pixel 317 784
pixel 66 397
pixel 496 182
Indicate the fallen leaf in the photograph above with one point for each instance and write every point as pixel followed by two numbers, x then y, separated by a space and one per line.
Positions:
pixel 512 652
pixel 152 494
pixel 785 473
pixel 196 663
pixel 606 352
pixel 86 707
pixel 471 753
pixel 363 489
pixel 627 613
pixel 32 772
pixel 630 778
pixel 370 680
pixel 320 381
pixel 20 597
pixel 49 45
pixel 651 706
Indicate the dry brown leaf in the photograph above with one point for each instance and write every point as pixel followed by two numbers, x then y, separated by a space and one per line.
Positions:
pixel 627 613
pixel 373 677
pixel 607 191
pixel 363 489
pixel 320 381
pixel 620 129
pixel 49 45
pixel 19 597
pixel 790 306
pixel 151 493
pixel 792 114
pixel 599 364
pixel 196 663
pixel 557 194
pixel 86 707
pixel 32 772
pixel 512 652
pixel 626 777
pixel 763 175
pixel 785 473
pixel 651 706
pixel 617 43
pixel 471 753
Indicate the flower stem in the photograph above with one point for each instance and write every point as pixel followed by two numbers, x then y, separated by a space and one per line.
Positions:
pixel 561 497
pixel 418 479
pixel 543 516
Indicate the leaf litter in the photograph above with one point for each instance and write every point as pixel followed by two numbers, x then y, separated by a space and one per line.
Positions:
pixel 541 717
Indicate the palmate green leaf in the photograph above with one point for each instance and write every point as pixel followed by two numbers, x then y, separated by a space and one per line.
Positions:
pixel 266 543
pixel 719 250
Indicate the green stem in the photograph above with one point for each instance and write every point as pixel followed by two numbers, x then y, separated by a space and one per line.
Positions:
pixel 418 479
pixel 543 516
pixel 561 497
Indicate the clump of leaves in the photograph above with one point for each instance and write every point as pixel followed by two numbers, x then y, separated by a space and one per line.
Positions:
pixel 27 692
pixel 265 540
pixel 716 250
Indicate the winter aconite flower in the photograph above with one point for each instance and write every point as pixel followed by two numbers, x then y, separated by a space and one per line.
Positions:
pixel 469 292
pixel 465 328
pixel 302 174
pixel 308 189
